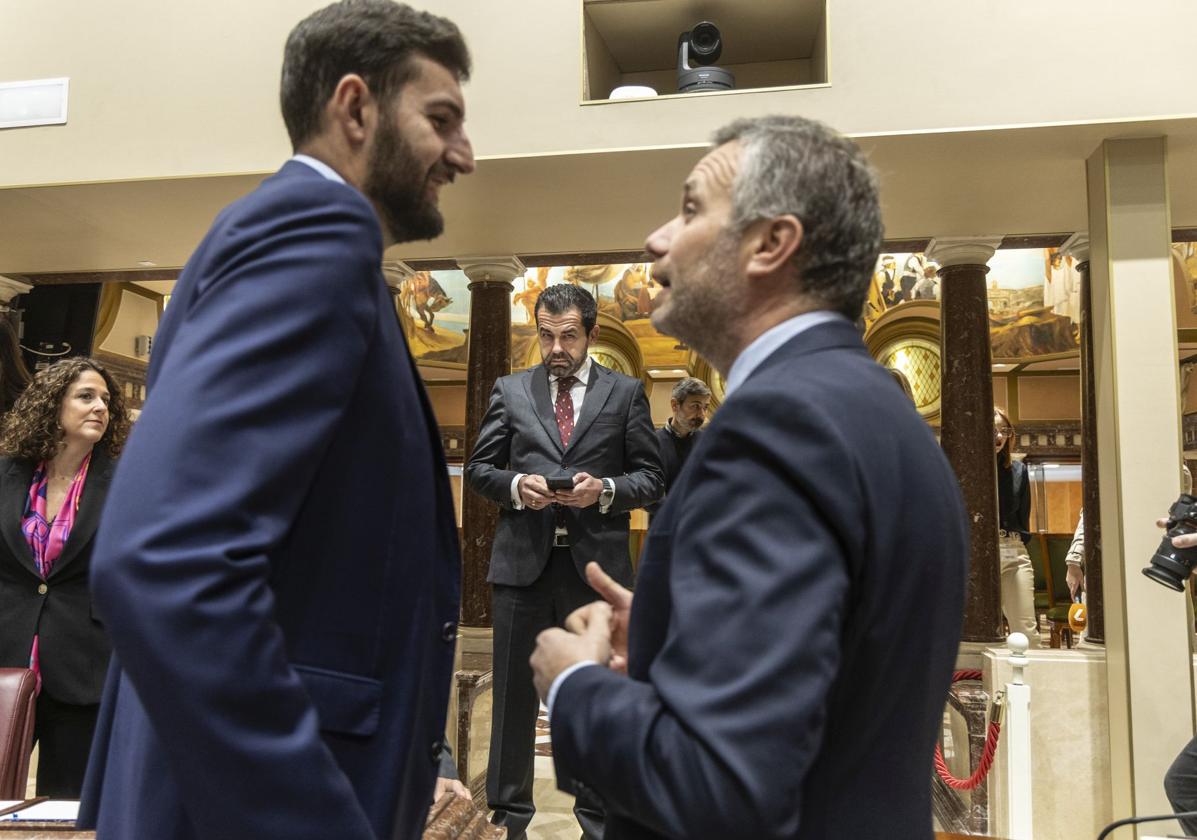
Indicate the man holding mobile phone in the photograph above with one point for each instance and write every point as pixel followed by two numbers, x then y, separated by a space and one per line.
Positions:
pixel 567 450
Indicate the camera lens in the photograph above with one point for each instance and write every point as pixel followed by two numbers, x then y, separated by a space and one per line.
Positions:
pixel 704 38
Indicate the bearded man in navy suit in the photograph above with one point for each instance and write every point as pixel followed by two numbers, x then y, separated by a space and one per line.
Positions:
pixel 278 564
pixel 799 601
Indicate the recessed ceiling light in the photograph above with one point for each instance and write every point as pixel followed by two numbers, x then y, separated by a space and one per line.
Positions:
pixel 147 263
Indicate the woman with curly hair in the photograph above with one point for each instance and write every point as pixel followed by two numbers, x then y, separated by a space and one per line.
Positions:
pixel 59 444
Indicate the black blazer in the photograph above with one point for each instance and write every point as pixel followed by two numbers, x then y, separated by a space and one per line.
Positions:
pixel 613 439
pixel 74 648
pixel 795 622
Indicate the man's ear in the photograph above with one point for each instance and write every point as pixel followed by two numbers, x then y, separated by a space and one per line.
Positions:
pixel 592 336
pixel 352 109
pixel 773 244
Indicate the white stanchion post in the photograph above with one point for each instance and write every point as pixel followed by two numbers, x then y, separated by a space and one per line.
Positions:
pixel 1016 733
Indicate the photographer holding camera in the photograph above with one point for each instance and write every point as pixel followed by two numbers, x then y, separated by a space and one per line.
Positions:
pixel 1174 561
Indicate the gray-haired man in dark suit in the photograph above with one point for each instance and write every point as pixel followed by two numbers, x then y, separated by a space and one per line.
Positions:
pixel 567 417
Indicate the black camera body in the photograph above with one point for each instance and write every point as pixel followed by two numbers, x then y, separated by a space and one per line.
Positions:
pixel 1170 565
pixel 703 45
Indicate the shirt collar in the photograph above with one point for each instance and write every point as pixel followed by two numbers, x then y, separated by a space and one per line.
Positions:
pixel 320 166
pixel 582 374
pixel 770 340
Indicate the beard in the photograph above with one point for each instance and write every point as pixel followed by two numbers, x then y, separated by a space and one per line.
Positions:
pixel 397 187
pixel 564 365
pixel 707 295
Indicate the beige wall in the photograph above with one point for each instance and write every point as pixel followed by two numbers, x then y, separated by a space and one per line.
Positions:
pixel 1049 397
pixel 173 89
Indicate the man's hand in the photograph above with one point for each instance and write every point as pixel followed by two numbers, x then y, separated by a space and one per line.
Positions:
pixel 451 787
pixel 620 601
pixel 585 493
pixel 1183 541
pixel 534 492
pixel 1075 578
pixel 557 649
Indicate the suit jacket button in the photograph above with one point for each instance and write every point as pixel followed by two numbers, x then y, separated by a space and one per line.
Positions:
pixel 42 589
pixel 449 631
pixel 435 752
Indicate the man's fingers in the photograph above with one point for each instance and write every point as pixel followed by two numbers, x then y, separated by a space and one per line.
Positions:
pixel 577 620
pixel 602 583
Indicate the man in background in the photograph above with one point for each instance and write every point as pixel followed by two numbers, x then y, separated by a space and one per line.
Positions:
pixel 690 401
pixel 278 564
pixel 800 597
pixel 573 421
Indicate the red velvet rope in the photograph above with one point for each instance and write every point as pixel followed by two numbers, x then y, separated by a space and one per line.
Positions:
pixel 991 742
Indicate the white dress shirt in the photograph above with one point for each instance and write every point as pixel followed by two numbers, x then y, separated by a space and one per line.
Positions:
pixel 320 166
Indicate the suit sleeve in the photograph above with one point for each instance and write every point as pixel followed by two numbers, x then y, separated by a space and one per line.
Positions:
pixel 487 472
pixel 719 739
pixel 643 481
pixel 242 412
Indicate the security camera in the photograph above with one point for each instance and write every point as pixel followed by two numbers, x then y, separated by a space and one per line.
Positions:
pixel 703 45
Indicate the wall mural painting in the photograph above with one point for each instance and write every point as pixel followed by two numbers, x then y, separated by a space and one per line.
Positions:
pixel 623 290
pixel 434 308
pixel 1034 297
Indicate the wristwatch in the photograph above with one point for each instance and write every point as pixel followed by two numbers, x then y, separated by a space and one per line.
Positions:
pixel 608 495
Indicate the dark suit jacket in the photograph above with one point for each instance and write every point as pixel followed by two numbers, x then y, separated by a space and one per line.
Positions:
pixel 795 624
pixel 672 460
pixel 613 439
pixel 278 562
pixel 73 646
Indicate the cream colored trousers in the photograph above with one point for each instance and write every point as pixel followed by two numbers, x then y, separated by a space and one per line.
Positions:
pixel 1018 588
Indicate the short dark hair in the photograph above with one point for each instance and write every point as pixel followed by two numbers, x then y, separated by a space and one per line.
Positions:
pixel 795 166
pixel 689 387
pixel 372 38
pixel 559 299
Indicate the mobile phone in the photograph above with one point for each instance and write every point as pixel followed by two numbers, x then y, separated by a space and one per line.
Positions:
pixel 560 481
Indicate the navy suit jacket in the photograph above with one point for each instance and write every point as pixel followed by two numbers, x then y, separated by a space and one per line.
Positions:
pixel 277 563
pixel 795 624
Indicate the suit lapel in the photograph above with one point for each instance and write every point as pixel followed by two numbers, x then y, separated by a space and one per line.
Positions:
pixel 95 491
pixel 13 496
pixel 597 390
pixel 537 386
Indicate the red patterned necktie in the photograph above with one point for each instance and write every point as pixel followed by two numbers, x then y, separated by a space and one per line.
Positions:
pixel 564 408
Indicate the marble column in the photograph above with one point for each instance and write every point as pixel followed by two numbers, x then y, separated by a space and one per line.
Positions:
pixel 489 358
pixel 966 412
pixel 1149 663
pixel 1077 247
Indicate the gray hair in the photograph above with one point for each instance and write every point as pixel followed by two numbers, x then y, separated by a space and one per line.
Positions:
pixel 800 167
pixel 690 387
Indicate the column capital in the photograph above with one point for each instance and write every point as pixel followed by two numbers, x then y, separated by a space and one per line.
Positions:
pixel 950 251
pixel 396 272
pixel 9 289
pixel 1077 246
pixel 502 269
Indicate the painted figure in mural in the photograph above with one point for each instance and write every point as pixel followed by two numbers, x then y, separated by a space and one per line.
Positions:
pixel 632 294
pixel 927 288
pixel 422 295
pixel 1062 286
pixel 533 286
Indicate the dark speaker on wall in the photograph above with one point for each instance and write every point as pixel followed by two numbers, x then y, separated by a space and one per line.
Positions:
pixel 58 321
